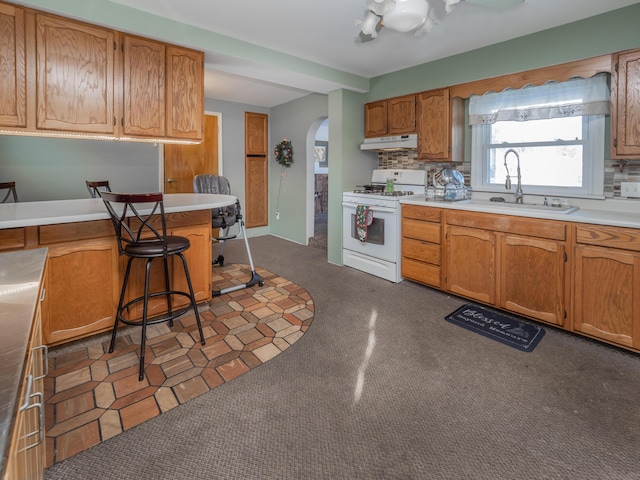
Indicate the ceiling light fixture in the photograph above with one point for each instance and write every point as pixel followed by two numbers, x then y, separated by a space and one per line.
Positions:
pixel 411 15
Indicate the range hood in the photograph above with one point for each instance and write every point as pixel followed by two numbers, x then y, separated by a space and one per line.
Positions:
pixel 397 142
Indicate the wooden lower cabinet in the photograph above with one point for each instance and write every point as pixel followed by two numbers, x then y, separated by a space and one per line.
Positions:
pixel 26 457
pixel 421 245
pixel 471 263
pixel 86 274
pixel 532 277
pixel 607 295
pixel 82 289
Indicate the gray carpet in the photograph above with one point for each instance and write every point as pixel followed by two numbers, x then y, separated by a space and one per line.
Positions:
pixel 381 387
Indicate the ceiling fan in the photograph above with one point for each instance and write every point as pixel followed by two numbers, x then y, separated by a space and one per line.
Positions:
pixel 411 15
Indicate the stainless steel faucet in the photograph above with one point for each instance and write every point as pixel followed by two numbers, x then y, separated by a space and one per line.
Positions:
pixel 507 184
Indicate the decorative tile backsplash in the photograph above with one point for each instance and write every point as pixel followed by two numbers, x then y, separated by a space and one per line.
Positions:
pixel 408 159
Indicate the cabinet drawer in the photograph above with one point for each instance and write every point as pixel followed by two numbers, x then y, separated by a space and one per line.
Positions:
pixel 12 239
pixel 421 251
pixel 421 213
pixel 531 227
pixel 417 229
pixel 69 232
pixel 420 272
pixel 614 237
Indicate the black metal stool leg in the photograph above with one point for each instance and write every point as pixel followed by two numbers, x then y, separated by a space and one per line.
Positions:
pixel 168 288
pixel 120 303
pixel 145 310
pixel 193 297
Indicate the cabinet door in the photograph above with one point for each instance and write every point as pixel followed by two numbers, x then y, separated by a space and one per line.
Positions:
pixel 471 263
pixel 185 93
pixel 198 261
pixel 144 87
pixel 625 100
pixel 13 94
pixel 75 81
pixel 401 115
pixel 533 277
pixel 375 119
pixel 607 295
pixel 256 211
pixel 434 125
pixel 255 134
pixel 82 289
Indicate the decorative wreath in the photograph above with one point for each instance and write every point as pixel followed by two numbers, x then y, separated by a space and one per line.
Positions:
pixel 284 153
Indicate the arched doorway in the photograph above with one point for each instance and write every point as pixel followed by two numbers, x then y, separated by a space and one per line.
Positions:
pixel 317 182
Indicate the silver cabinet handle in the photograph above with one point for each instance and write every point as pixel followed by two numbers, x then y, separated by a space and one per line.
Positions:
pixel 27 393
pixel 40 430
pixel 45 359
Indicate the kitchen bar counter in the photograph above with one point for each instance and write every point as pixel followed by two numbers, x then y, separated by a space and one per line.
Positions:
pixel 20 278
pixel 619 213
pixel 26 214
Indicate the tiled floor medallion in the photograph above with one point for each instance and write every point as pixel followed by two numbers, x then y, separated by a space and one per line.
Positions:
pixel 92 395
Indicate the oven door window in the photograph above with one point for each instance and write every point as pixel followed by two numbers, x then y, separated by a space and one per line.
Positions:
pixel 375 231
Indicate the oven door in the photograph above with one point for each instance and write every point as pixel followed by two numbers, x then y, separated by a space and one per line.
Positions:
pixel 382 234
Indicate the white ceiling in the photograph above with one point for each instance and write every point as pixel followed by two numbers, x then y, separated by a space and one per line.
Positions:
pixel 324 32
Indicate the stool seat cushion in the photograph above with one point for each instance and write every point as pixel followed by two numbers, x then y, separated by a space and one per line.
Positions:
pixel 155 248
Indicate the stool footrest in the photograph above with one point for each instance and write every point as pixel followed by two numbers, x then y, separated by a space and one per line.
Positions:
pixel 163 317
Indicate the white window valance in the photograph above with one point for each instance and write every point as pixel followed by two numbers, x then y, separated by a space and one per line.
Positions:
pixel 575 97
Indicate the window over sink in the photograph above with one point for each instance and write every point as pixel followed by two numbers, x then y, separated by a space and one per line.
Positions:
pixel 557 130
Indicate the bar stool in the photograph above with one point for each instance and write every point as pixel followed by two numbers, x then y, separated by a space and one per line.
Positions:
pixel 140 226
pixel 10 187
pixel 95 188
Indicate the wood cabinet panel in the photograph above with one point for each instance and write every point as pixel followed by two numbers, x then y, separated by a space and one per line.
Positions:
pixel 70 232
pixel 185 93
pixel 75 82
pixel 433 124
pixel 82 289
pixel 375 119
pixel 13 62
pixel 422 213
pixel 255 133
pixel 427 231
pixel 471 263
pixel 419 271
pixel 401 115
pixel 144 87
pixel 421 251
pixel 12 239
pixel 531 227
pixel 625 102
pixel 532 278
pixel 604 236
pixel 607 295
pixel 256 191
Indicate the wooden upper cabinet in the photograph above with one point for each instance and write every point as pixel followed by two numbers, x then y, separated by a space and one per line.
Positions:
pixel 13 94
pixel 255 138
pixel 435 126
pixel 401 115
pixel 625 102
pixel 375 119
pixel 185 93
pixel 144 87
pixel 393 116
pixel 75 76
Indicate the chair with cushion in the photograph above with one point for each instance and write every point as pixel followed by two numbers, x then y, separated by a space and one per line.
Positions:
pixel 140 226
pixel 10 187
pixel 96 188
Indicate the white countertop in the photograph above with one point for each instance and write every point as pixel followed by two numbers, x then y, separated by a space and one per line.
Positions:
pixel 616 214
pixel 26 214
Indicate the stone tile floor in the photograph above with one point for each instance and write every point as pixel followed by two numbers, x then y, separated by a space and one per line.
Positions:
pixel 91 395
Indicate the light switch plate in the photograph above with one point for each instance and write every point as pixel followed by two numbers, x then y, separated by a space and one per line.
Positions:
pixel 630 189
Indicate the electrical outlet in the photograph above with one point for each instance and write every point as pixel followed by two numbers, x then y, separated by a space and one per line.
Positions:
pixel 277 215
pixel 630 189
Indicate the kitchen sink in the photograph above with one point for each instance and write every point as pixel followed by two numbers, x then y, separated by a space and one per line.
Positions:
pixel 564 209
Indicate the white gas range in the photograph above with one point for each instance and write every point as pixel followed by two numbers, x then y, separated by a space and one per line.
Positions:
pixel 374 246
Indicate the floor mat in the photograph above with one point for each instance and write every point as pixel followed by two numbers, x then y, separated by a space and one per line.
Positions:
pixel 507 329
